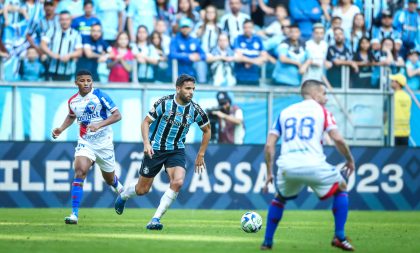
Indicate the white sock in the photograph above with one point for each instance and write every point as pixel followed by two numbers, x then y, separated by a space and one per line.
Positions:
pixel 129 191
pixel 119 189
pixel 168 197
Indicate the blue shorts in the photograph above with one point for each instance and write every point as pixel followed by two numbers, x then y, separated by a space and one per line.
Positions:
pixel 168 158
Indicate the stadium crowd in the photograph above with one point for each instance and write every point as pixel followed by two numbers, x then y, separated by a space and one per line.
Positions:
pixel 224 43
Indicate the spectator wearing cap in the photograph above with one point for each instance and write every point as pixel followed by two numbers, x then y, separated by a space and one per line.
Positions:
pixel 339 55
pixel 110 12
pixel 412 67
pixel 63 46
pixel 407 22
pixel 185 10
pixel 385 30
pixel 84 23
pixel 140 12
pixel 316 53
pixel 305 13
pixel 186 49
pixel 289 62
pixel 402 110
pixel 231 120
pixel 232 23
pixel 249 56
pixel 74 7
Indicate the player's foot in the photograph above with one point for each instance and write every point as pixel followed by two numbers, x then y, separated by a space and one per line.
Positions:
pixel 154 224
pixel 72 219
pixel 342 244
pixel 265 246
pixel 119 205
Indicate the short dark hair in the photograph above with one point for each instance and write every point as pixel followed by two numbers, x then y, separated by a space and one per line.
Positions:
pixel 184 78
pixel 248 21
pixel 308 84
pixel 64 12
pixel 336 18
pixel 83 72
pixel 338 28
pixel 86 2
pixel 294 26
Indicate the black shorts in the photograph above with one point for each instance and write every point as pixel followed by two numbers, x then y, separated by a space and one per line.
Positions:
pixel 169 158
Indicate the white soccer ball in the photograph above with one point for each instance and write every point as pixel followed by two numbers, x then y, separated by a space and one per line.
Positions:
pixel 251 222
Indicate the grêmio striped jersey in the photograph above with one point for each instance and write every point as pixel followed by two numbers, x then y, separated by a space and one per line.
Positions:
pixel 171 122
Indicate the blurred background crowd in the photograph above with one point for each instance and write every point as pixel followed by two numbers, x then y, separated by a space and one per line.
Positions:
pixel 220 42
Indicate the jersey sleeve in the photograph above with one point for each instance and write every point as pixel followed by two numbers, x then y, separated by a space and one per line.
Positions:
pixel 71 113
pixel 106 101
pixel 157 110
pixel 201 117
pixel 329 120
pixel 276 128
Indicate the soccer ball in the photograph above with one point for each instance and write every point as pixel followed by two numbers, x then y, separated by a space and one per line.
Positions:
pixel 251 222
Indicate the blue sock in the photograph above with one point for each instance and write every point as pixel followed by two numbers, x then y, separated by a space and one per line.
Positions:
pixel 340 210
pixel 275 212
pixel 115 183
pixel 76 194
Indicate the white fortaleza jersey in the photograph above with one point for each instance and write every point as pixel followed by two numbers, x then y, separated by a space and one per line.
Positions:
pixel 301 127
pixel 94 107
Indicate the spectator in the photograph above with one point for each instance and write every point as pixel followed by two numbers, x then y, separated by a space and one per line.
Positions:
pixel 389 56
pixel 15 21
pixel 121 60
pixel 221 58
pixel 346 10
pixel 74 7
pixel 271 44
pixel 146 55
pixel 84 23
pixel 31 67
pixel 164 32
pixel 94 51
pixel 339 55
pixel 231 121
pixel 372 10
pixel 316 53
pixel 63 46
pixel 185 10
pixel 274 28
pixel 164 12
pixel 358 31
pixel 402 110
pixel 365 61
pixel 1 18
pixel 326 13
pixel 161 69
pixel 141 12
pixel 336 22
pixel 250 55
pixel 413 70
pixel 305 13
pixel 3 51
pixel 186 49
pixel 385 31
pixel 207 32
pixel 407 23
pixel 232 23
pixel 110 13
pixel 291 57
pixel 50 19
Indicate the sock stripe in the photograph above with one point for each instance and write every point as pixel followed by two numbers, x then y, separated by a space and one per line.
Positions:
pixel 77 184
pixel 275 202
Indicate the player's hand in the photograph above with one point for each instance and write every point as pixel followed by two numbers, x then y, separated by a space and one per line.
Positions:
pixel 56 132
pixel 200 165
pixel 148 150
pixel 93 128
pixel 348 168
pixel 65 58
pixel 268 181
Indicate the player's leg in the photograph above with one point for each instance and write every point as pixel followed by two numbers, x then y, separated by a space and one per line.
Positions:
pixel 287 190
pixel 82 165
pixel 105 158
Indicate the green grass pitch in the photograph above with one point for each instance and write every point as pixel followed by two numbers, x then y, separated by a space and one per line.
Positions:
pixel 101 230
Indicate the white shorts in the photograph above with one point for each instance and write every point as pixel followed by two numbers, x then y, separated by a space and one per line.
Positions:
pixel 103 156
pixel 323 181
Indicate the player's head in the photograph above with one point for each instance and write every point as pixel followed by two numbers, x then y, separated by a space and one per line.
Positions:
pixel 84 81
pixel 316 90
pixel 185 86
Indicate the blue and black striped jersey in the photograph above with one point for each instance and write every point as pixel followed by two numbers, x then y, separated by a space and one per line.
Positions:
pixel 171 122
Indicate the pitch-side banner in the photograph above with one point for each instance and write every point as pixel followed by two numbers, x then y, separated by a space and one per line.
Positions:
pixel 39 175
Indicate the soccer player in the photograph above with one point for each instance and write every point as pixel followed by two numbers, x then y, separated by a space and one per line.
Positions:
pixel 163 131
pixel 94 111
pixel 302 161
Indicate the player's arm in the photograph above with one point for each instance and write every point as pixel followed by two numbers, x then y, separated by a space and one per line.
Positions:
pixel 115 117
pixel 342 147
pixel 269 150
pixel 145 127
pixel 200 165
pixel 67 122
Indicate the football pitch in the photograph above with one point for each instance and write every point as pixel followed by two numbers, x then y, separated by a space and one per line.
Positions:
pixel 101 230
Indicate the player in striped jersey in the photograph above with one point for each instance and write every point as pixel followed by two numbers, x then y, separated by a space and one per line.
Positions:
pixel 94 111
pixel 163 131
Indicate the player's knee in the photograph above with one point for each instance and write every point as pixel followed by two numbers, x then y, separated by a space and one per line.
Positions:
pixel 79 173
pixel 176 184
pixel 342 186
pixel 142 190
